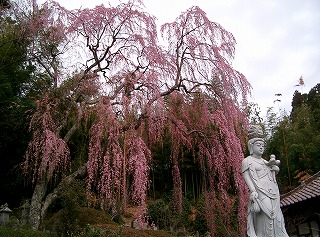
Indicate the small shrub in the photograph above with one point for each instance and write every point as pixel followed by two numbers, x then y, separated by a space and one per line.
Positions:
pixel 72 198
pixel 92 231
pixel 163 216
pixel 160 213
pixel 200 223
pixel 191 220
pixel 66 211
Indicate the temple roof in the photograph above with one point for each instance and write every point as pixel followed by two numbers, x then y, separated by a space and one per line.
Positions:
pixel 309 188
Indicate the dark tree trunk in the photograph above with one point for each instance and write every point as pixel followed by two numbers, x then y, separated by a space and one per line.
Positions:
pixel 36 203
pixel 41 201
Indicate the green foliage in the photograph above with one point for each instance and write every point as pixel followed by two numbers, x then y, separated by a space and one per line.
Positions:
pixel 20 232
pixel 88 231
pixel 15 105
pixel 295 140
pixel 72 198
pixel 82 217
pixel 91 231
pixel 160 213
pixel 199 223
pixel 192 218
pixel 67 221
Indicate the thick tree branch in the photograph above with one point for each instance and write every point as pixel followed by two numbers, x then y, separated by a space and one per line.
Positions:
pixel 79 174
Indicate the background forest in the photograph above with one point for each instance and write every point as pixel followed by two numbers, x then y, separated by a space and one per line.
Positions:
pixel 95 113
pixel 295 138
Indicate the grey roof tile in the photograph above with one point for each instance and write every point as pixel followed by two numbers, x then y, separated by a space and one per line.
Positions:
pixel 310 188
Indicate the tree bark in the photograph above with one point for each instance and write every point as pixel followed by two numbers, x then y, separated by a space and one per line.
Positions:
pixel 36 202
pixel 41 201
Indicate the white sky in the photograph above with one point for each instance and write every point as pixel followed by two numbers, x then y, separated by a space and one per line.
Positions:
pixel 277 40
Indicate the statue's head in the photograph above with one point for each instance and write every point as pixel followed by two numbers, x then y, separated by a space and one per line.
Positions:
pixel 255 135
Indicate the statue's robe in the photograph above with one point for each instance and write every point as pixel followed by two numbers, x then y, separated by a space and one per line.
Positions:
pixel 268 221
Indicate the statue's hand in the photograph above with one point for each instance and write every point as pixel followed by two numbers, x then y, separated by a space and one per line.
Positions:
pixel 255 206
pixel 272 162
pixel 253 196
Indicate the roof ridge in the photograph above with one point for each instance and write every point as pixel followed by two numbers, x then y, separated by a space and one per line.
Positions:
pixel 302 184
pixel 309 188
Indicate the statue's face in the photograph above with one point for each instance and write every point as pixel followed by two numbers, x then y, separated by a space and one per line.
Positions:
pixel 258 148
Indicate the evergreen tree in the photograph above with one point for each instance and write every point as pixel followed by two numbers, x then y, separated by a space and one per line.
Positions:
pixel 16 104
pixel 296 139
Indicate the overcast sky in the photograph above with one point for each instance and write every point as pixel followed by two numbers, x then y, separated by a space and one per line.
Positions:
pixel 277 40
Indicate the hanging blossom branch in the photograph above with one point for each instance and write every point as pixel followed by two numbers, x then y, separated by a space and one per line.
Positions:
pixel 47 154
pixel 219 155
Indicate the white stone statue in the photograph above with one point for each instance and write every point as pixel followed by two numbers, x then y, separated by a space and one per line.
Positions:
pixel 265 218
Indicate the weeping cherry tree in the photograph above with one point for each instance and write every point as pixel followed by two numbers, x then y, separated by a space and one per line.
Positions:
pixel 109 71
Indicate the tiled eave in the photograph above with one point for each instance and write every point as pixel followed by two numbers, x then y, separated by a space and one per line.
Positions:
pixel 310 188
